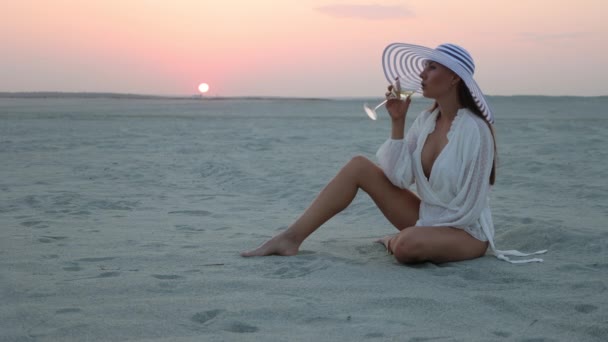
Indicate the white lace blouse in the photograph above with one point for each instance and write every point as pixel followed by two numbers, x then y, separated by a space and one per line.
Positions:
pixel 457 192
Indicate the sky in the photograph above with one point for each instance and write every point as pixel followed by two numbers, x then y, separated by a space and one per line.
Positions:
pixel 295 48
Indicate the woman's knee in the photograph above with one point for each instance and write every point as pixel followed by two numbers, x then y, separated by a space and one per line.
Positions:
pixel 357 165
pixel 362 166
pixel 408 247
pixel 359 162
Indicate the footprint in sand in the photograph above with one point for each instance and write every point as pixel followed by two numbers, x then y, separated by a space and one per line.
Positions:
pixel 502 333
pixel 370 248
pixel 96 259
pixel 585 308
pixel 206 316
pixel 49 239
pixel 603 266
pixel 166 277
pixel 34 224
pixel 99 276
pixel 74 268
pixel 298 266
pixel 107 275
pixel 240 327
pixel 188 228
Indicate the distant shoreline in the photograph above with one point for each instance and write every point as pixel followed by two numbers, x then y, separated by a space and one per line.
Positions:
pixel 128 96
pixel 87 95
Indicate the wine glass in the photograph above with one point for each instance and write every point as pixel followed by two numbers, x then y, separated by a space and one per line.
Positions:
pixel 397 92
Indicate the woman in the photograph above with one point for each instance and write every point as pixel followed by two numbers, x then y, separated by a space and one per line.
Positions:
pixel 449 152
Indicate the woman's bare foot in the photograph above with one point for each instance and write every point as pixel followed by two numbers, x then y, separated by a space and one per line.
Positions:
pixel 278 245
pixel 385 241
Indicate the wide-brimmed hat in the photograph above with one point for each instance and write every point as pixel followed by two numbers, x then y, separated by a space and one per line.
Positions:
pixel 406 61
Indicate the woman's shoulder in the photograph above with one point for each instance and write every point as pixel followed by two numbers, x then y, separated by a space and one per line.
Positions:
pixel 472 124
pixel 470 130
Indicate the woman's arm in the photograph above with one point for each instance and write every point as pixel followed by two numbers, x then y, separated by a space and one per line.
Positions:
pixel 397 109
pixel 395 155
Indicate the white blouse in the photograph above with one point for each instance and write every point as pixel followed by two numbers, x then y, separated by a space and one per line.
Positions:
pixel 457 193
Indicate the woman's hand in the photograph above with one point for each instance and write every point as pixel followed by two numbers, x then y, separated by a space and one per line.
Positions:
pixel 396 107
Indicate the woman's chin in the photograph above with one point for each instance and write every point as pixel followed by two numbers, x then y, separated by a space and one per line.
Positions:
pixel 429 95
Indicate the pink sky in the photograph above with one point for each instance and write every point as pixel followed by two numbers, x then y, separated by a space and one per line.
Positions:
pixel 310 48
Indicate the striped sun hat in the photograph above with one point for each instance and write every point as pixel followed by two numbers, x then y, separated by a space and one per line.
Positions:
pixel 406 61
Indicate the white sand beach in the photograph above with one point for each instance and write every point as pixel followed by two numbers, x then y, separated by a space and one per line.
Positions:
pixel 123 220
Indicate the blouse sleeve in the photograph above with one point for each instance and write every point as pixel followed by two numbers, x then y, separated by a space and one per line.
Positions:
pixel 395 157
pixel 477 153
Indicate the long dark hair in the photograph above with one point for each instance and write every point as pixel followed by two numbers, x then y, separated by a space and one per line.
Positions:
pixel 466 99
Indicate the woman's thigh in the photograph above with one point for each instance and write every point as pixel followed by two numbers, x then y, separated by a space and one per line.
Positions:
pixel 436 244
pixel 399 206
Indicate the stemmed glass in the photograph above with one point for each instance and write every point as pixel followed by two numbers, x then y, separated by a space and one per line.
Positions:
pixel 398 92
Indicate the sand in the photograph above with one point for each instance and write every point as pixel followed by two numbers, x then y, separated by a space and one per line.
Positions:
pixel 123 220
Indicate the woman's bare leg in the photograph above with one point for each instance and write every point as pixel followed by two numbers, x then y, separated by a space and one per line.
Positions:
pixel 434 244
pixel 400 206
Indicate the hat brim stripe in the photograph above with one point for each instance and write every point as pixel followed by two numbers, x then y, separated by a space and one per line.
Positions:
pixel 459 56
pixel 406 61
pixel 405 68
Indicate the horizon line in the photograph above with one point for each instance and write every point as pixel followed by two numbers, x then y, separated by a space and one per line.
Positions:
pixel 126 95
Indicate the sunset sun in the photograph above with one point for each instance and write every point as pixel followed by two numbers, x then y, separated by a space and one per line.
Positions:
pixel 203 87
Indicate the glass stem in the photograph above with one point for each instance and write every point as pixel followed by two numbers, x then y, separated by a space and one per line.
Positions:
pixel 383 102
